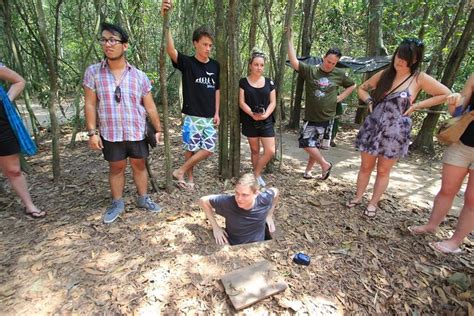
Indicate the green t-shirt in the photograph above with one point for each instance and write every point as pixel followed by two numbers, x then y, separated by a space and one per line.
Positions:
pixel 321 91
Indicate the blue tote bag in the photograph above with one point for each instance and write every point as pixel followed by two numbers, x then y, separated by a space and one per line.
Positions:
pixel 27 146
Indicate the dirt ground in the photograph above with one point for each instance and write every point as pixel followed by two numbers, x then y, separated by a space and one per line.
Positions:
pixel 168 263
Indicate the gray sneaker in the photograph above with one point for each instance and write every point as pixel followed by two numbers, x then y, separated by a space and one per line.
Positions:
pixel 146 202
pixel 113 211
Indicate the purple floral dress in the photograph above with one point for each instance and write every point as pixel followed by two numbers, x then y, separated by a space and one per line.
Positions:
pixel 386 131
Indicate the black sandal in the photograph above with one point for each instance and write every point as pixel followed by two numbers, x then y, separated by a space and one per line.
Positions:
pixel 370 211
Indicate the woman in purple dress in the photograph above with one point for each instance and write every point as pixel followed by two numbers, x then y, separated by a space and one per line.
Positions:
pixel 385 135
pixel 9 147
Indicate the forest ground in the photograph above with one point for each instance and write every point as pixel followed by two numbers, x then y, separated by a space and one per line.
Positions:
pixel 71 263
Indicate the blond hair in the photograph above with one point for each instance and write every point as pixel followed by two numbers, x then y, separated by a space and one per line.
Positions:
pixel 249 180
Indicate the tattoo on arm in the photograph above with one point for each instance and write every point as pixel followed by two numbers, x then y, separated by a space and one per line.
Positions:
pixel 367 87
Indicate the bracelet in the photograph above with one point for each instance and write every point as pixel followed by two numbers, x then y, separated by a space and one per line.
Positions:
pixel 369 100
pixel 92 132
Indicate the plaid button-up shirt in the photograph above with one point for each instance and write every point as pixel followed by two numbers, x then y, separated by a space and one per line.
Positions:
pixel 124 120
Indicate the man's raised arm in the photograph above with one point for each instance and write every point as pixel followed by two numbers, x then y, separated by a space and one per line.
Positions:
pixel 170 49
pixel 292 53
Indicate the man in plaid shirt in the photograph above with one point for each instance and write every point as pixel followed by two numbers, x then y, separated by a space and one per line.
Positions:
pixel 118 99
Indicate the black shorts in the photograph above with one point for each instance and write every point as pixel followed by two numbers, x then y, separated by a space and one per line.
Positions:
pixel 258 129
pixel 116 151
pixel 8 143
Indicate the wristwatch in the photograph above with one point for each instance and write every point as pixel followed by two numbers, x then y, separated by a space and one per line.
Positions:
pixel 92 132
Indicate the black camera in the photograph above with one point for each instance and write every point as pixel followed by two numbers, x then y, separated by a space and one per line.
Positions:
pixel 259 109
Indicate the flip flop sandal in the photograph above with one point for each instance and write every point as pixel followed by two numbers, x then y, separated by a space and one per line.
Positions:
pixel 415 232
pixel 190 186
pixel 352 203
pixel 40 214
pixel 180 184
pixel 370 211
pixel 307 175
pixel 326 173
pixel 437 247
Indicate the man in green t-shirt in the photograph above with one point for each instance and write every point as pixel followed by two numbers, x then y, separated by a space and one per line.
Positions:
pixel 321 98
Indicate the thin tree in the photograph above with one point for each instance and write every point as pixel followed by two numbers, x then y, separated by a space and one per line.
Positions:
pixel 375 46
pixel 51 64
pixel 164 100
pixel 424 139
pixel 309 8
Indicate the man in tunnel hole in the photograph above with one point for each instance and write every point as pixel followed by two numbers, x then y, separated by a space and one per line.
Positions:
pixel 247 213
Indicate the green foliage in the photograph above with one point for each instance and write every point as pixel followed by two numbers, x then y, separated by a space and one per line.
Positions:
pixel 341 23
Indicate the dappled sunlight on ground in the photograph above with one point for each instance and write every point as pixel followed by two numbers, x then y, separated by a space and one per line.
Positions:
pixel 168 263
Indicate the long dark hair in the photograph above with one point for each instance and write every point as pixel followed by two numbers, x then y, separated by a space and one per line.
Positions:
pixel 410 49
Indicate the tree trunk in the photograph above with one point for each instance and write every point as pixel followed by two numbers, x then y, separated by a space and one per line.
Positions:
pixel 19 62
pixel 221 49
pixel 164 100
pixel 375 45
pixel 269 35
pixel 309 7
pixel 53 82
pixel 426 13
pixel 279 77
pixel 436 58
pixel 424 140
pixel 253 25
pixel 234 113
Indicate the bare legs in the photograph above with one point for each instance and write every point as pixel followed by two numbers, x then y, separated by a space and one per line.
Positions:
pixel 192 159
pixel 259 162
pixel 10 166
pixel 316 156
pixel 368 163
pixel 451 181
pixel 117 176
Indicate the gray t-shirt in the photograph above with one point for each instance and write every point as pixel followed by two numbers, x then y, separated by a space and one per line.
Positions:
pixel 244 226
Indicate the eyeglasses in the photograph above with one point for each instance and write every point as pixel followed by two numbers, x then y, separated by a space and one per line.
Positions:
pixel 117 94
pixel 417 42
pixel 112 41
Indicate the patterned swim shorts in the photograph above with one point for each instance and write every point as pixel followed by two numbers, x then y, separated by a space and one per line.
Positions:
pixel 316 135
pixel 199 133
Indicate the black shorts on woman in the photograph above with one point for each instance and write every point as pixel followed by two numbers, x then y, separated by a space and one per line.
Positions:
pixel 8 142
pixel 257 97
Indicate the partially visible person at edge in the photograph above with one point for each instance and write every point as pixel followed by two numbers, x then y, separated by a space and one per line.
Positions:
pixel 9 147
pixel 321 86
pixel 458 162
pixel 118 98
pixel 201 97
pixel 246 212
pixel 257 100
pixel 385 134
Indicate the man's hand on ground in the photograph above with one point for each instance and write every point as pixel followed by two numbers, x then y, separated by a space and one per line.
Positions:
pixel 271 224
pixel 220 235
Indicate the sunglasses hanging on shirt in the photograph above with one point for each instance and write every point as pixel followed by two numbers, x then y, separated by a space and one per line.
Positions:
pixel 117 94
